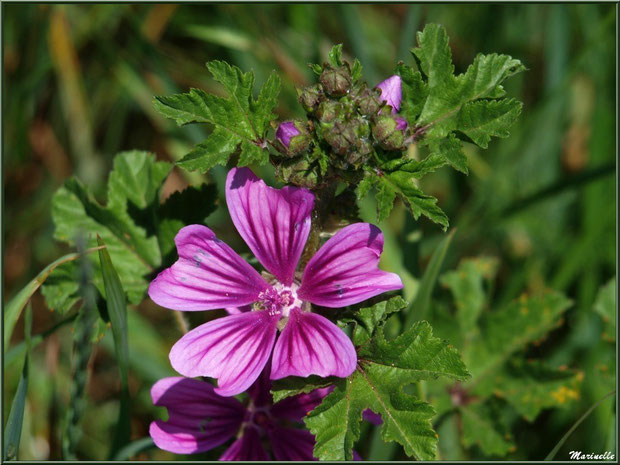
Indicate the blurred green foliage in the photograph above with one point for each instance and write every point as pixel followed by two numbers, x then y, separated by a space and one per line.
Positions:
pixel 78 84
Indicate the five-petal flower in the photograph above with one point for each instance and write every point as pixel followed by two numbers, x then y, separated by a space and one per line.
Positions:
pixel 275 223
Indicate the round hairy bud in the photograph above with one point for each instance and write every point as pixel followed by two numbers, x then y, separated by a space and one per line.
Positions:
pixel 368 102
pixel 327 111
pixel 311 97
pixel 298 172
pixel 340 137
pixel 292 137
pixel 336 81
pixel 389 131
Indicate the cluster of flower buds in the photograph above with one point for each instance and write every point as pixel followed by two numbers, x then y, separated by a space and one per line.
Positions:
pixel 347 120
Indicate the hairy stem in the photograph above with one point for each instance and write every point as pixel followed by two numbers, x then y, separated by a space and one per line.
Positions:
pixel 324 197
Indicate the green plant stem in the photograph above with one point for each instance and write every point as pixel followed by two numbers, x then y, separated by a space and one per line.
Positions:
pixel 319 215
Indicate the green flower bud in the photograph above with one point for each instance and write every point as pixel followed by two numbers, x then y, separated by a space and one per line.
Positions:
pixel 292 138
pixel 299 172
pixel 311 97
pixel 336 81
pixel 328 111
pixel 368 102
pixel 389 131
pixel 340 137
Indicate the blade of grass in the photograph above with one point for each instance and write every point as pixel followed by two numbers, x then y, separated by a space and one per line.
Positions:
pixel 13 430
pixel 117 310
pixel 14 308
pixel 134 448
pixel 418 308
pixel 557 447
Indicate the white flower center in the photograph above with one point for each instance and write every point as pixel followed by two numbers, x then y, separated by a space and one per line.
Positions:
pixel 280 299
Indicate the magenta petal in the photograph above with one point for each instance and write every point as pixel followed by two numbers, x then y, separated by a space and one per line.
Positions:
pixel 207 275
pixel 312 345
pixel 345 270
pixel 295 408
pixel 285 132
pixel 391 92
pixel 275 223
pixel 247 448
pixel 234 349
pixel 372 417
pixel 237 310
pixel 290 444
pixel 401 124
pixel 199 419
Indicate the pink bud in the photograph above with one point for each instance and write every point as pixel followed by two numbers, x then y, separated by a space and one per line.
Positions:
pixel 401 124
pixel 391 92
pixel 285 132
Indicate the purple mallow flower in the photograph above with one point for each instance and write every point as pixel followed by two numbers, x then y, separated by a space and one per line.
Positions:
pixel 200 420
pixel 275 224
pixel 285 132
pixel 391 92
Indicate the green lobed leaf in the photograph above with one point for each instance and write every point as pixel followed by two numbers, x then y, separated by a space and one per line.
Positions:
pixel 449 150
pixel 386 195
pixel 335 56
pixel 482 119
pixel 531 386
pixel 454 102
pixel 402 183
pixel 316 68
pixel 467 286
pixel 605 306
pixel 266 103
pixel 417 202
pixel 356 70
pixel 384 368
pixel 294 385
pixel 215 150
pixel 126 224
pixel 416 353
pixel 364 186
pixel 367 319
pixel 336 422
pixel 417 169
pixel 61 288
pixel 414 92
pixel 240 121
